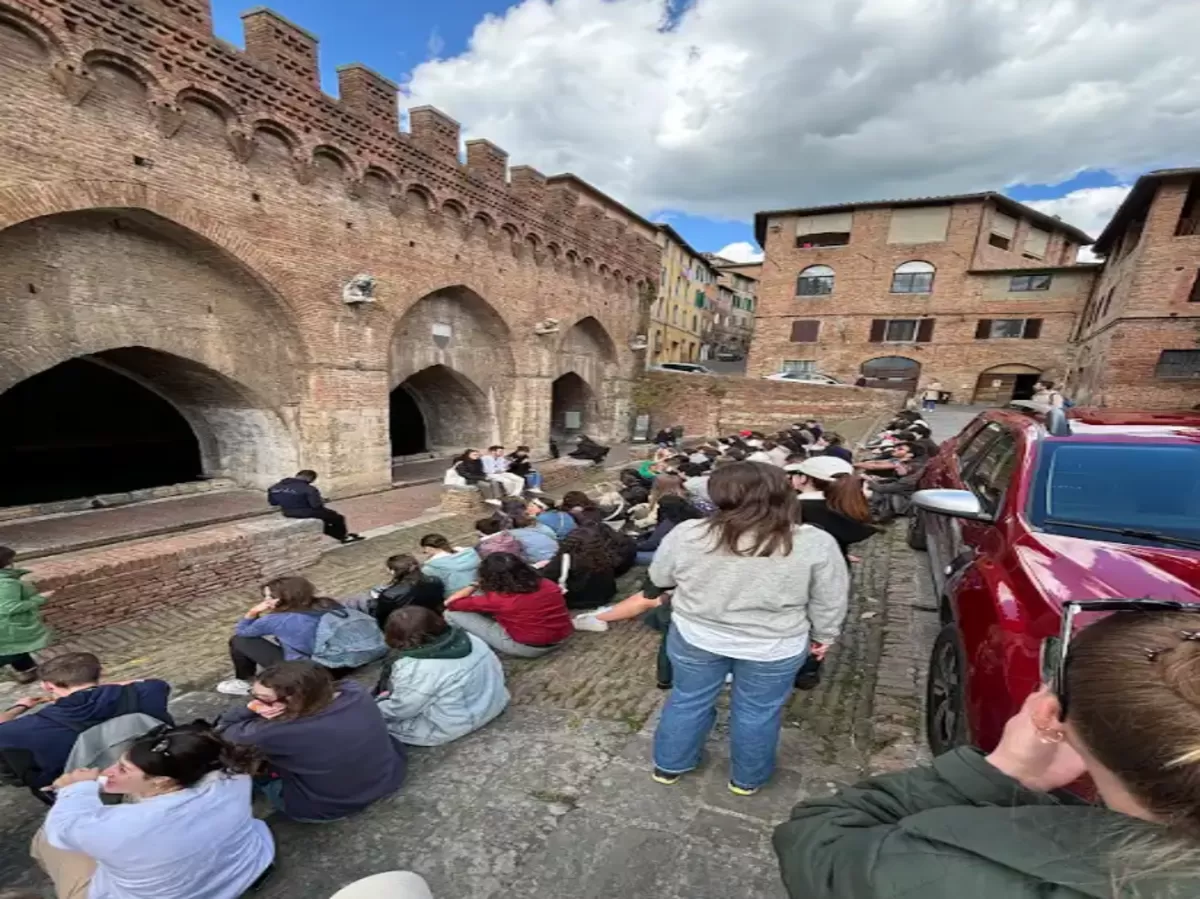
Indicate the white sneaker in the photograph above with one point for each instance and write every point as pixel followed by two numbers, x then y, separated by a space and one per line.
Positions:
pixel 729 678
pixel 234 687
pixel 589 622
pixel 493 502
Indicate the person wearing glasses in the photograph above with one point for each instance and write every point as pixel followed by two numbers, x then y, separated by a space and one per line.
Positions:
pixel 185 831
pixel 1120 704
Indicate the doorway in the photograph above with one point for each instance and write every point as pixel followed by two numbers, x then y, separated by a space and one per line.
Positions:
pixel 1001 384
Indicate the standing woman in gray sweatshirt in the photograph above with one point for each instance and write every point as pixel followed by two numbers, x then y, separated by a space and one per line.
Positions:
pixel 753 593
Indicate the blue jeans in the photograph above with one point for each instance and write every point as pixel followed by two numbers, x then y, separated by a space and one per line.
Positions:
pixel 928 405
pixel 533 480
pixel 760 690
pixel 644 557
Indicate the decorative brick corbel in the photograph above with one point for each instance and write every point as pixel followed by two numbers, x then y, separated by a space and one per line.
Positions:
pixel 73 81
pixel 305 171
pixel 168 118
pixel 241 143
pixel 354 188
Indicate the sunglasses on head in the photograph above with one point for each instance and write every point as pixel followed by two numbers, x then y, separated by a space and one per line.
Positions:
pixel 1055 651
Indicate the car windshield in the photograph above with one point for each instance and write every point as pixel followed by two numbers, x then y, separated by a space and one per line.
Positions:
pixel 1136 492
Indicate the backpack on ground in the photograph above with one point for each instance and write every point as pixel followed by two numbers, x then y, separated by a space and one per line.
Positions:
pixel 100 745
pixel 347 638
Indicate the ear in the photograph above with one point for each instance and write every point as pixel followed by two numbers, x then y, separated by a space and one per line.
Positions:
pixel 1045 710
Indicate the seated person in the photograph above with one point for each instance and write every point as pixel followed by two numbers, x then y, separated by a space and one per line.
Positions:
pixel 537 546
pixel 21 628
pixel 408 586
pixel 328 751
pixel 588 449
pixel 296 497
pixel 494 538
pixel 186 833
pixel 814 427
pixel 517 507
pixel 495 466
pixel 897 464
pixel 559 521
pixel 622 548
pixel 832 499
pixel 575 499
pixel 526 615
pixel 289 613
pixel 439 683
pixel 587 558
pixel 835 446
pixel 34 748
pixel 671 511
pixel 520 464
pixel 453 566
pixel 469 467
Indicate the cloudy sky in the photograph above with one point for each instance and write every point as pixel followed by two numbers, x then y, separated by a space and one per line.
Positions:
pixel 700 112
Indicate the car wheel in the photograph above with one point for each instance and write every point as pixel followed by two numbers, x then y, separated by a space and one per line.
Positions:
pixel 917 538
pixel 945 697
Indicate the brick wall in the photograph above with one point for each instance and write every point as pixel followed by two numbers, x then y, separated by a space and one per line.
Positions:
pixel 713 406
pixel 105 586
pixel 161 190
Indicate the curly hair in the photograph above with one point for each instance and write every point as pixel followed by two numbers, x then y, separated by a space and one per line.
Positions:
pixel 506 573
pixel 589 550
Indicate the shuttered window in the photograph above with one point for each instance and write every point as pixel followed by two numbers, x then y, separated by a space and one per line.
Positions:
pixel 1008 328
pixel 901 330
pixel 925 224
pixel 805 331
pixel 1178 364
pixel 1002 230
pixel 828 230
pixel 1036 242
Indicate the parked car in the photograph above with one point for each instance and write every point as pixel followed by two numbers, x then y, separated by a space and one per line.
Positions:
pixel 688 368
pixel 806 377
pixel 730 356
pixel 1029 508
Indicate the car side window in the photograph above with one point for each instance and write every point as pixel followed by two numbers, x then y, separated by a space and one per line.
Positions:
pixel 975 445
pixel 990 477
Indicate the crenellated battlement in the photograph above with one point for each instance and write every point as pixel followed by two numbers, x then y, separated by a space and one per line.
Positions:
pixel 273 86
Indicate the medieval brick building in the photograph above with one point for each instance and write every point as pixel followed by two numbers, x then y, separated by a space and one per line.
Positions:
pixel 182 230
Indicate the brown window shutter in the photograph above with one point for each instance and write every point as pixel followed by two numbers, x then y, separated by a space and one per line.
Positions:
pixel 983 330
pixel 925 330
pixel 805 331
pixel 1033 328
pixel 878 329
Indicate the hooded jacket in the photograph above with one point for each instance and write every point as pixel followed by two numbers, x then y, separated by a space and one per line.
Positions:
pixel 962 829
pixel 455 570
pixel 295 497
pixel 47 734
pixel 21 627
pixel 442 691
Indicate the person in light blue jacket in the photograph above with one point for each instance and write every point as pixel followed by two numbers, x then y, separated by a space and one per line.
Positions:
pixel 536 539
pixel 439 683
pixel 455 568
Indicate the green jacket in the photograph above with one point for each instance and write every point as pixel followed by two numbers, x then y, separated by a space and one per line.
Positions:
pixel 21 628
pixel 960 829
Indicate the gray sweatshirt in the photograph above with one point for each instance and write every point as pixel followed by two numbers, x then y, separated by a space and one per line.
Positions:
pixel 756 597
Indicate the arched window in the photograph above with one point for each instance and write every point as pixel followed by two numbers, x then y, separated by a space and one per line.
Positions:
pixel 815 281
pixel 913 277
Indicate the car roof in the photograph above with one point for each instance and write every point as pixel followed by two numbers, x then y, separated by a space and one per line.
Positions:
pixel 1103 424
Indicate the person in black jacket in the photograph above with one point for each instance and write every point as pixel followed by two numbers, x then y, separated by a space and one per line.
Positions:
pixel 589 449
pixel 296 497
pixel 469 467
pixel 409 587
pixel 831 498
pixel 590 565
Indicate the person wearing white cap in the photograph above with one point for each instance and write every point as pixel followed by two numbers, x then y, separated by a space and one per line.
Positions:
pixel 389 885
pixel 831 498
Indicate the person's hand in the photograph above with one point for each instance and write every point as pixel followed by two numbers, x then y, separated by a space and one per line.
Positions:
pixel 1034 749
pixel 266 710
pixel 818 650
pixel 262 608
pixel 79 775
pixel 28 702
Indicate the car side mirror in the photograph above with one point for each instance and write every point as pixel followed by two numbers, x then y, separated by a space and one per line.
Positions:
pixel 954 503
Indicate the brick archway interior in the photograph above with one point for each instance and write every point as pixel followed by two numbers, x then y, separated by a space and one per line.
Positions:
pixel 440 410
pixel 130 296
pixel 573 408
pixel 892 372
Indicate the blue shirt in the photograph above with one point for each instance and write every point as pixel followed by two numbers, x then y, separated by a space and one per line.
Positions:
pixel 562 523
pixel 295 631
pixel 537 545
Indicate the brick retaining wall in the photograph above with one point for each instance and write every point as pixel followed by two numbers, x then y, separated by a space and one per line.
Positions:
pixel 105 586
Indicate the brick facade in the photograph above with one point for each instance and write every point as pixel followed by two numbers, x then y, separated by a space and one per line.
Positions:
pixel 972 282
pixel 189 215
pixel 1146 301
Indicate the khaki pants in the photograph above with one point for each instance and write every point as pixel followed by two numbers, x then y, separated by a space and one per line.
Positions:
pixel 71 871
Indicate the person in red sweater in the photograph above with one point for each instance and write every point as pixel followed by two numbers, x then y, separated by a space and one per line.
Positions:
pixel 526 615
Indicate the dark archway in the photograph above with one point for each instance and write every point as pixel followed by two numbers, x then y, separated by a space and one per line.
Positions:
pixel 892 372
pixel 444 411
pixel 82 429
pixel 573 408
pixel 1001 384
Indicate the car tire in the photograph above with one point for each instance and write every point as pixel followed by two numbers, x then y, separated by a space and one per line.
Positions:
pixel 945 694
pixel 917 537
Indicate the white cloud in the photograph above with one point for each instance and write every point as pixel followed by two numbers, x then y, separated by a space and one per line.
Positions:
pixel 1089 208
pixel 741 252
pixel 743 106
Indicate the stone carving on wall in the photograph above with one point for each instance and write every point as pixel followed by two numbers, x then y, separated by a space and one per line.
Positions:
pixel 359 289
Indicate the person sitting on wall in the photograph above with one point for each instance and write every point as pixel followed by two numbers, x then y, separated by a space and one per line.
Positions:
pixel 469 467
pixel 589 450
pixel 523 614
pixel 35 748
pixel 439 683
pixel 495 466
pixel 520 464
pixel 296 497
pixel 327 747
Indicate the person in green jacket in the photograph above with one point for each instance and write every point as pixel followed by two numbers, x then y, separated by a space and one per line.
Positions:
pixel 21 627
pixel 976 826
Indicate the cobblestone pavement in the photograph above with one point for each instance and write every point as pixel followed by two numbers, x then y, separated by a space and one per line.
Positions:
pixel 554 799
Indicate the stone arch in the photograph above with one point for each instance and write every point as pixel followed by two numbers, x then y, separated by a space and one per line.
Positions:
pixel 419 197
pixel 36 28
pixel 160 304
pixel 893 372
pixel 464 347
pixel 378 184
pixel 210 98
pixel 100 58
pixel 440 410
pixel 574 409
pixel 334 162
pixel 454 210
pixel 1001 384
pixel 277 130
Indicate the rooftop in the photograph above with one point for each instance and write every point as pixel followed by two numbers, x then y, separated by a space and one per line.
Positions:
pixel 578 183
pixel 1136 202
pixel 1007 203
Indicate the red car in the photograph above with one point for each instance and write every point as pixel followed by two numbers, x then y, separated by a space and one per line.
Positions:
pixel 1029 508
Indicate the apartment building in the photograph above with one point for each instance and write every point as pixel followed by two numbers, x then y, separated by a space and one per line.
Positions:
pixel 681 319
pixel 1139 334
pixel 737 289
pixel 976 291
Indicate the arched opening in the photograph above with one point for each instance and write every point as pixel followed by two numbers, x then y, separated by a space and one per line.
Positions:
pixel 1001 384
pixel 81 429
pixel 439 410
pixel 573 408
pixel 892 372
